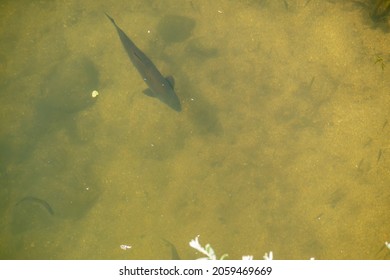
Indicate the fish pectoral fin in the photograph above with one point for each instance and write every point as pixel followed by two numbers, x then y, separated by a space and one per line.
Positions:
pixel 170 80
pixel 149 92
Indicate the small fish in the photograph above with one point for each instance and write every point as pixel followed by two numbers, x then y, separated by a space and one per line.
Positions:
pixel 159 86
pixel 36 200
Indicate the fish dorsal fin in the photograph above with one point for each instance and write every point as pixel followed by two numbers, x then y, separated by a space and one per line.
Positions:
pixel 149 92
pixel 170 80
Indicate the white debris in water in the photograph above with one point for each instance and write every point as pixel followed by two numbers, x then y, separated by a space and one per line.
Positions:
pixel 95 93
pixel 207 250
pixel 268 256
pixel 125 247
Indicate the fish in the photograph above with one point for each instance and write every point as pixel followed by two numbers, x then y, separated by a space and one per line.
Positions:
pixel 159 87
pixel 174 253
pixel 36 200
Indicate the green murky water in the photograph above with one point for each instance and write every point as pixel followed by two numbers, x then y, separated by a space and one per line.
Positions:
pixel 283 143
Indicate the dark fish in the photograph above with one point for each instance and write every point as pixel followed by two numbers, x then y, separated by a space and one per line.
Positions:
pixel 174 253
pixel 159 87
pixel 42 202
